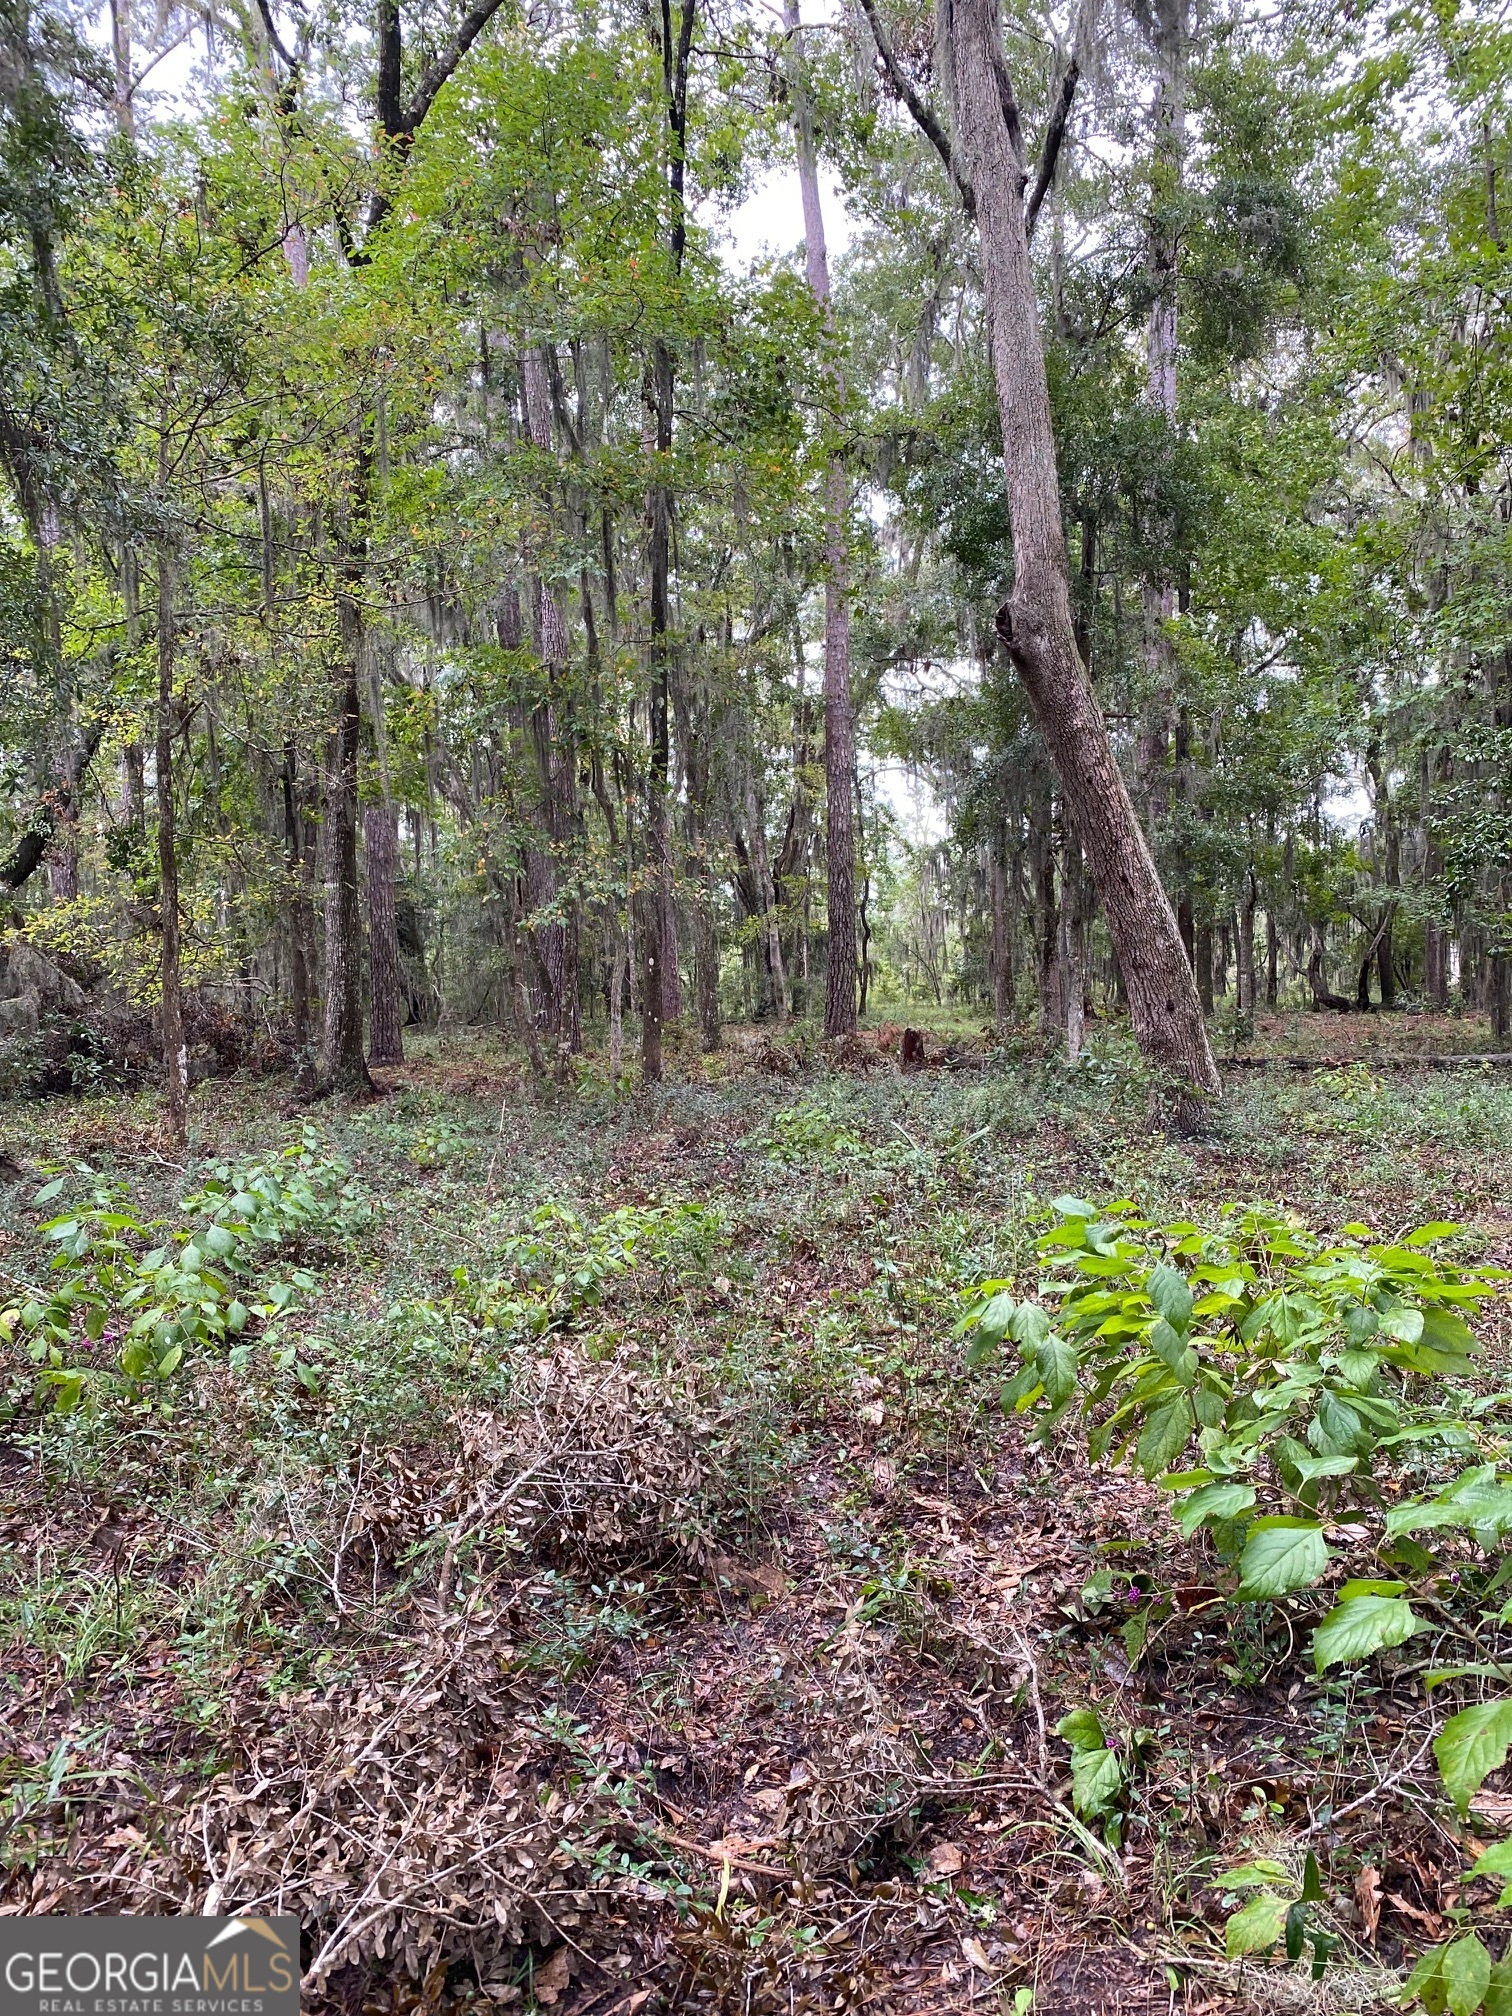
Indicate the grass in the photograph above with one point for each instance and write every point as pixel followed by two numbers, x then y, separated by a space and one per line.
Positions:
pixel 614 1512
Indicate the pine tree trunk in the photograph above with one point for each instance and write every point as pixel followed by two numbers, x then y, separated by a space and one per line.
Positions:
pixel 380 840
pixel 175 1054
pixel 1272 958
pixel 1035 623
pixel 839 728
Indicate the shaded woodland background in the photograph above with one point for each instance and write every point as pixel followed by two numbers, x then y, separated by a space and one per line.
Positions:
pixel 424 546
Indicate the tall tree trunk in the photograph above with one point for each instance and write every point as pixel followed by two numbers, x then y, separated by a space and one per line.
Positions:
pixel 343 1064
pixel 1049 978
pixel 175 1054
pixel 1073 978
pixel 658 849
pixel 1168 33
pixel 1035 623
pixel 1002 938
pixel 1205 967
pixel 839 728
pixel 1272 956
pixel 658 991
pixel 618 961
pixel 380 841
pixel 380 848
pixel 1249 897
pixel 296 851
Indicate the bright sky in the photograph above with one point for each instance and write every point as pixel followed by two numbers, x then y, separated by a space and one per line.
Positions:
pixel 769 223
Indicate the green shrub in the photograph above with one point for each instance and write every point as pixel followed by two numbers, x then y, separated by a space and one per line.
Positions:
pixel 1276 1383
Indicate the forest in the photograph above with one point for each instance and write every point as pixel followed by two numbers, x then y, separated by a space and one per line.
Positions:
pixel 756 998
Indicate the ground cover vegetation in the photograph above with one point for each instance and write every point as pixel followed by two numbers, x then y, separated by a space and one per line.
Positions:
pixel 773 1542
pixel 973 1469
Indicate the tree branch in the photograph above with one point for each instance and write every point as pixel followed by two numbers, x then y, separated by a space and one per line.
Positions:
pixel 923 118
pixel 274 38
pixel 26 856
pixel 472 26
pixel 1055 134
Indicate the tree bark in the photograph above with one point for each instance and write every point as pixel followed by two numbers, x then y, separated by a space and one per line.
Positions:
pixel 839 727
pixel 1272 956
pixel 1249 897
pixel 1035 623
pixel 175 1054
pixel 380 840
pixel 296 849
pixel 343 1065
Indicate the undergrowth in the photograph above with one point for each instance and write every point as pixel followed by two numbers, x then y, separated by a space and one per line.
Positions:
pixel 487 1437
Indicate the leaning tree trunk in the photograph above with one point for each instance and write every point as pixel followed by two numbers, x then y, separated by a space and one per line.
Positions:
pixel 175 1054
pixel 1035 622
pixel 839 729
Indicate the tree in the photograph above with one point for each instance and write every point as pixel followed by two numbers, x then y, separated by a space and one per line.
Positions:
pixel 839 734
pixel 1035 622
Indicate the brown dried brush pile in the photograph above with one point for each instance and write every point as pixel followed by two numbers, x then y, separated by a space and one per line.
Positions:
pixel 419 1813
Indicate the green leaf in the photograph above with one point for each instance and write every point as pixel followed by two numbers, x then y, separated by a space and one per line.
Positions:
pixel 1499 1989
pixel 50 1190
pixel 1071 1207
pixel 1496 1861
pixel 1312 1881
pixel 1020 1390
pixel 1030 1324
pixel 984 1345
pixel 1166 1434
pixel 1426 1235
pixel 1256 1927
pixel 1281 1555
pixel 1310 1468
pixel 1213 1501
pixel 1296 1931
pixel 1466 1975
pixel 1056 1361
pixel 1173 1353
pixel 1167 1289
pixel 1097 1778
pixel 1082 1729
pixel 1447 1333
pixel 1477 1500
pixel 1262 1870
pixel 1425 1983
pixel 1360 1626
pixel 1470 1746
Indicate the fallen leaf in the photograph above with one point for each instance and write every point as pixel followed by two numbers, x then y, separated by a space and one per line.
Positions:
pixel 1430 1921
pixel 945 1859
pixel 976 1953
pixel 549 1981
pixel 1368 1897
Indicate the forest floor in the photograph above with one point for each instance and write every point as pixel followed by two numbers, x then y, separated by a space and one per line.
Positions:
pixel 603 1589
